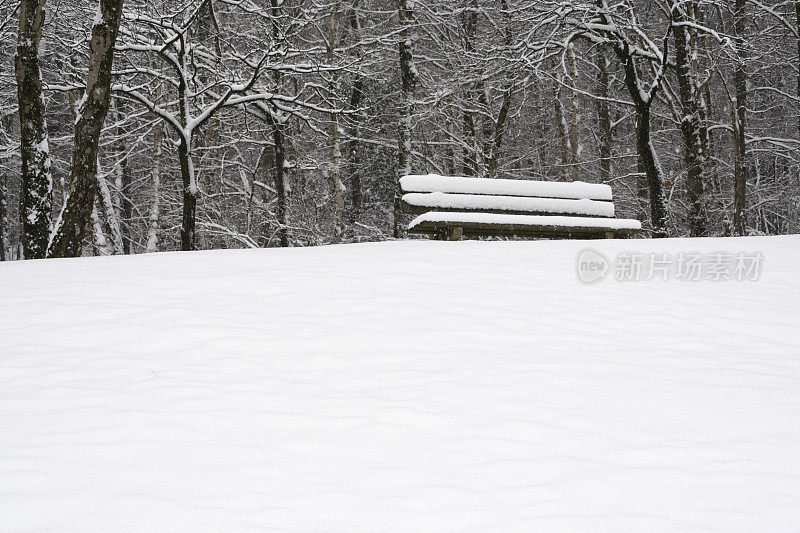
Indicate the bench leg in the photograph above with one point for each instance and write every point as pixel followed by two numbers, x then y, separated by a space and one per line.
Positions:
pixel 455 233
pixel 448 234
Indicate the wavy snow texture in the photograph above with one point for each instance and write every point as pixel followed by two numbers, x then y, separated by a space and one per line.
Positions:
pixel 405 386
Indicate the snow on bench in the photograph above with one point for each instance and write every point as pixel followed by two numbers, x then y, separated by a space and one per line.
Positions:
pixel 470 202
pixel 451 207
pixel 575 190
pixel 529 225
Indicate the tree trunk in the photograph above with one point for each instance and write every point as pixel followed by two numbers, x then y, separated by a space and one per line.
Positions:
pixel 3 217
pixel 499 130
pixel 408 76
pixel 488 128
pixel 648 160
pixel 606 138
pixel 740 120
pixel 470 164
pixel 278 123
pixel 279 140
pixel 652 169
pixel 353 151
pixel 469 161
pixel 563 129
pixel 337 187
pixel 101 246
pixel 502 116
pixel 76 215
pixel 797 20
pixel 155 207
pixel 353 146
pixel 36 196
pixel 107 215
pixel 123 206
pixel 574 145
pixel 189 216
pixel 691 124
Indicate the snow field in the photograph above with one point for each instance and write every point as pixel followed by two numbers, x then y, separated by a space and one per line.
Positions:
pixel 406 386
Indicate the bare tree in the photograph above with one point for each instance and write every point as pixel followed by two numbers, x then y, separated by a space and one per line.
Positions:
pixel 347 96
pixel 740 118
pixel 75 217
pixel 36 198
pixel 619 28
pixel 408 80
pixel 189 112
pixel 3 217
pixel 605 132
pixel 694 129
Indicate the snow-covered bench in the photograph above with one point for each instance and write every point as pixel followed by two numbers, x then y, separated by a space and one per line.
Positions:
pixel 451 207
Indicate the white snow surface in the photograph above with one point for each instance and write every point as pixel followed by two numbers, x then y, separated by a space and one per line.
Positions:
pixel 527 220
pixel 405 386
pixel 440 200
pixel 549 189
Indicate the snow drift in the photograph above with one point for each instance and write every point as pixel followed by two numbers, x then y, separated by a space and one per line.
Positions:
pixel 406 386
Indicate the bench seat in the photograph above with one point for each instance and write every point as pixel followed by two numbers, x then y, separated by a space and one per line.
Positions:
pixel 452 225
pixel 575 190
pixel 424 202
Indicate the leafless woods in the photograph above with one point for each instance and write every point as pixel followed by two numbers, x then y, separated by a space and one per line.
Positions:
pixel 162 125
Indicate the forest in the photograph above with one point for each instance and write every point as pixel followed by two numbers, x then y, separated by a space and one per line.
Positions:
pixel 155 125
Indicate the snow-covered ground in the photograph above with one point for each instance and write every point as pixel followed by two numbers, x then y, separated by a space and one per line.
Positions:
pixel 399 387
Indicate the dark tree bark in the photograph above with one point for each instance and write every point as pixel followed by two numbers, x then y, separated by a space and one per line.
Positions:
pixel 126 208
pixel 3 217
pixel 574 118
pixel 353 145
pixel 272 118
pixel 75 217
pixel 155 201
pixel 36 197
pixel 354 151
pixel 740 170
pixel 122 183
pixel 693 129
pixel 493 154
pixel 647 155
pixel 652 170
pixel 189 214
pixel 469 162
pixel 797 20
pixel 497 138
pixel 185 161
pixel 469 159
pixel 338 189
pixel 408 78
pixel 605 134
pixel 488 128
pixel 643 98
pixel 563 132
pixel 279 139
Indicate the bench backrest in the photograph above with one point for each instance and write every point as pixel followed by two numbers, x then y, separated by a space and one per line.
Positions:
pixel 451 193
